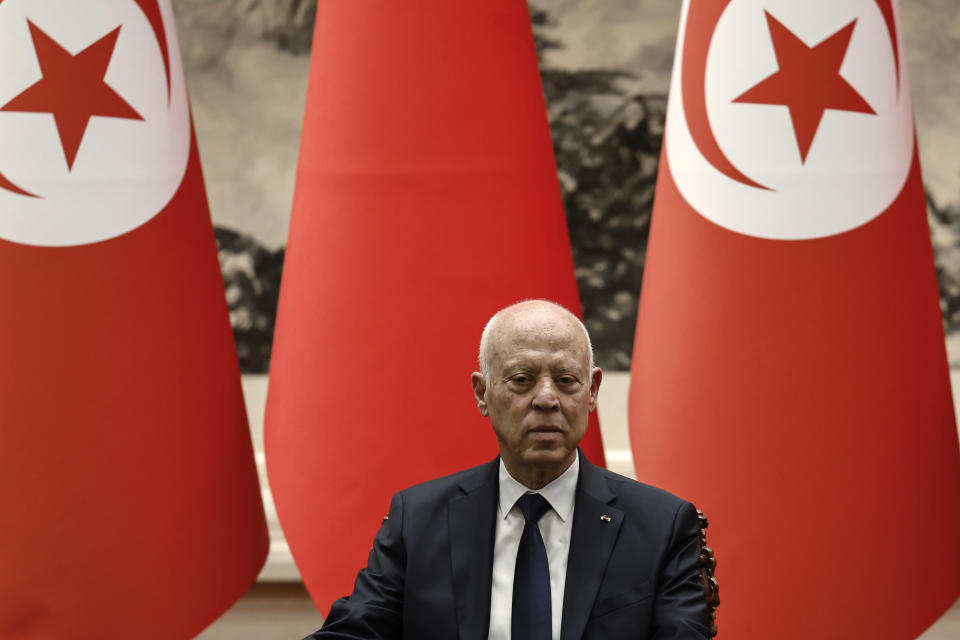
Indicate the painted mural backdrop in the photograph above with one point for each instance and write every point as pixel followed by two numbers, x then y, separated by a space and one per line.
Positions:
pixel 605 66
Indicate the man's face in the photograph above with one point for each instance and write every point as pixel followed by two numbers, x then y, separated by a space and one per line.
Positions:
pixel 540 388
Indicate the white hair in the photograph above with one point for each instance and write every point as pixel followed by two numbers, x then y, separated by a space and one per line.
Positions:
pixel 485 355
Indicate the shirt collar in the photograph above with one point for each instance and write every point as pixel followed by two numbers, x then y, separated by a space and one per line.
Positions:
pixel 559 493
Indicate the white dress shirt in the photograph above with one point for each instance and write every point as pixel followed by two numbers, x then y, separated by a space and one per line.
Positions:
pixel 555 528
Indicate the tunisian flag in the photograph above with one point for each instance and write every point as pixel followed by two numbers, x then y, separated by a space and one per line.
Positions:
pixel 426 199
pixel 789 372
pixel 128 491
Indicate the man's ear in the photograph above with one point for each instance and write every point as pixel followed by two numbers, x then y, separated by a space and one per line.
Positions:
pixel 480 392
pixel 595 377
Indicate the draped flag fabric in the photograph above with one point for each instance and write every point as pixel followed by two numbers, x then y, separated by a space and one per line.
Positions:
pixel 789 373
pixel 128 491
pixel 426 199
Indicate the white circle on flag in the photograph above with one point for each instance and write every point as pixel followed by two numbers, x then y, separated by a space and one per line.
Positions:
pixel 857 163
pixel 125 170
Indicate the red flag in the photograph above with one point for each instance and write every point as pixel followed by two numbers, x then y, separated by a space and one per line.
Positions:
pixel 128 489
pixel 426 199
pixel 789 373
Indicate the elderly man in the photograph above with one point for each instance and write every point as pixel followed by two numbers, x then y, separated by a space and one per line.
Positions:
pixel 538 544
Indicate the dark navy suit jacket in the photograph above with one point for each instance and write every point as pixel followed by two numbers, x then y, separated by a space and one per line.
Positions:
pixel 632 572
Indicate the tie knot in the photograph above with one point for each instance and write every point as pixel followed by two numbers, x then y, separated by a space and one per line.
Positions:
pixel 533 506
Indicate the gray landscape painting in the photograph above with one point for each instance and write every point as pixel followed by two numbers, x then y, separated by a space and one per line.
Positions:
pixel 605 66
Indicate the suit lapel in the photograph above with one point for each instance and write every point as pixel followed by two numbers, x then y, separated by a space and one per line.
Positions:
pixel 595 529
pixel 471 524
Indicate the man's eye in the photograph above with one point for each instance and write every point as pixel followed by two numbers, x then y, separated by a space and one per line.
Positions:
pixel 566 380
pixel 520 379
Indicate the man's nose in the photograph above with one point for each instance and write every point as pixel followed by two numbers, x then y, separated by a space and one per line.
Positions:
pixel 545 395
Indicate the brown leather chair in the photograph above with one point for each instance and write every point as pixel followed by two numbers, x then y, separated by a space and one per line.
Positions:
pixel 708 565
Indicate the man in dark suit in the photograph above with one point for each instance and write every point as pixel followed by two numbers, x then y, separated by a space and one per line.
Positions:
pixel 538 544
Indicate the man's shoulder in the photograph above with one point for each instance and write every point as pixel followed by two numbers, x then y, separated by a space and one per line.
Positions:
pixel 634 495
pixel 453 484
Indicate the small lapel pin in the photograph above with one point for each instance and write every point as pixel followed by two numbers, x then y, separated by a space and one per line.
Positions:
pixel 606 518
pixel 384 520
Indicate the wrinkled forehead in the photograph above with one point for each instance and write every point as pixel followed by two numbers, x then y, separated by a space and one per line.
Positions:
pixel 532 335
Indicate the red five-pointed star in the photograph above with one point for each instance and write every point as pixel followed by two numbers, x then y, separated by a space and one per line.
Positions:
pixel 72 88
pixel 808 82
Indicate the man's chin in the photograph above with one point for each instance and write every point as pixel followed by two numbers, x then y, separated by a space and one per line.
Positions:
pixel 548 457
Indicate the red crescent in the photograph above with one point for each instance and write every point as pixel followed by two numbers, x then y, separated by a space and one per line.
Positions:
pixel 702 19
pixel 9 186
pixel 886 8
pixel 151 9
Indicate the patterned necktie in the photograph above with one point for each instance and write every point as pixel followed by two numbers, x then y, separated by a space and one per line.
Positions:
pixel 531 616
